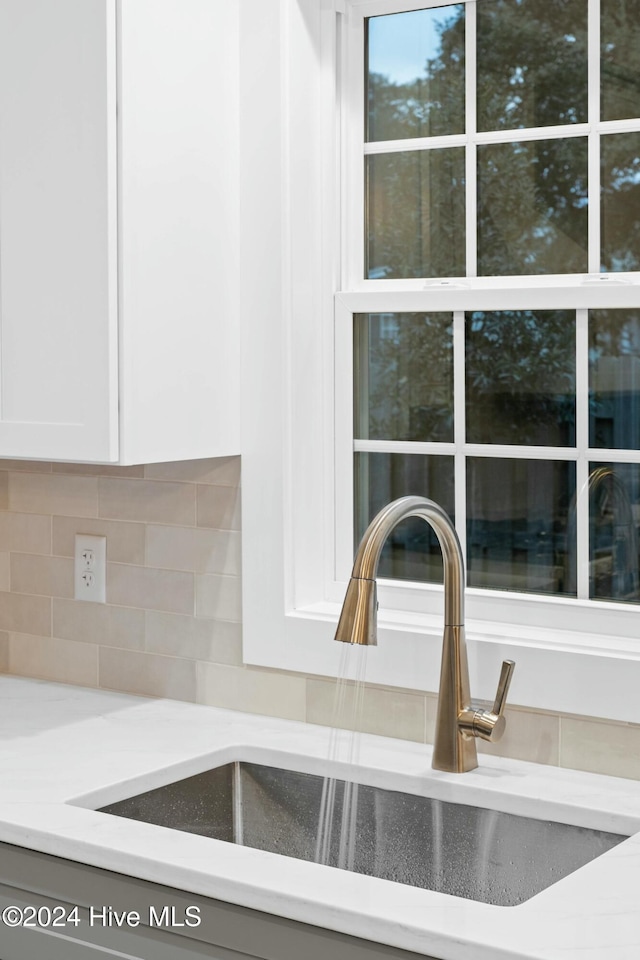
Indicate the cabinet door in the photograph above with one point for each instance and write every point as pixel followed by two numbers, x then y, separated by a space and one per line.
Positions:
pixel 20 944
pixel 226 932
pixel 58 280
pixel 178 189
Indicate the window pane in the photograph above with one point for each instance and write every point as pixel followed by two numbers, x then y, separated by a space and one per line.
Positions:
pixel 412 551
pixel 620 63
pixel 403 376
pixel 532 63
pixel 614 512
pixel 517 524
pixel 621 201
pixel 614 379
pixel 521 374
pixel 415 74
pixel 532 207
pixel 415 214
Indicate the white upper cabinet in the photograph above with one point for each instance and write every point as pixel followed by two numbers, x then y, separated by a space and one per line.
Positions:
pixel 118 230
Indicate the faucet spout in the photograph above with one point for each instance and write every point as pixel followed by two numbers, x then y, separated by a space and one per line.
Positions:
pixel 460 720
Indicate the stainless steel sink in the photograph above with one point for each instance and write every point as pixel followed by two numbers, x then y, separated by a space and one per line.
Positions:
pixel 466 851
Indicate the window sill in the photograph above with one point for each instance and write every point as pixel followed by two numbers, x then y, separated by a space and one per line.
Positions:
pixel 557 670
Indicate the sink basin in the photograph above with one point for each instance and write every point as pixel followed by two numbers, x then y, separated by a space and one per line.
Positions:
pixel 453 848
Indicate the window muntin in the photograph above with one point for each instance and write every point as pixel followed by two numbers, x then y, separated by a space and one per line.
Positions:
pixel 524 176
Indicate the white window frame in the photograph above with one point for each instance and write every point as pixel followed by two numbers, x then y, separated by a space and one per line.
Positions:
pixel 297 404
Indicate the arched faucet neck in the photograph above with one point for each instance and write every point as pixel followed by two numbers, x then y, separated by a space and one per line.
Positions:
pixel 368 556
pixel 460 720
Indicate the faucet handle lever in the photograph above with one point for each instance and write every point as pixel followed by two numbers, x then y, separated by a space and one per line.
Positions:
pixel 506 673
pixel 477 720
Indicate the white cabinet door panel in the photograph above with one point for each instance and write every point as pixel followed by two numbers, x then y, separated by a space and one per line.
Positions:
pixel 119 197
pixel 58 281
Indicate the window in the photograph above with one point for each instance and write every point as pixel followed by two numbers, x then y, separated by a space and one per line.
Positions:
pixel 494 173
pixel 318 303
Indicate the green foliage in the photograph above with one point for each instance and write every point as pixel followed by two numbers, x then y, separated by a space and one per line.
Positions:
pixel 416 214
pixel 521 377
pixel 621 201
pixel 620 66
pixel 409 377
pixel 532 207
pixel 532 63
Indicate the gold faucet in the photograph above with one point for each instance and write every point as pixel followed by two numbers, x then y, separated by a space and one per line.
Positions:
pixel 460 719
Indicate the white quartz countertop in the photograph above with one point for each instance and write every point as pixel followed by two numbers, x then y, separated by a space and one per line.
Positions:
pixel 65 749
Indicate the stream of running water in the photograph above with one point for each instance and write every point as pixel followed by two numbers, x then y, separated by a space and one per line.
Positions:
pixel 335 843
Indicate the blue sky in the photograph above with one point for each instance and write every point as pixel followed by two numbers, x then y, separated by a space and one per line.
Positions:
pixel 400 43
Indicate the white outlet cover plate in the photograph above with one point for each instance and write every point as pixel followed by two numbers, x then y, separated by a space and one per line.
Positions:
pixel 96 590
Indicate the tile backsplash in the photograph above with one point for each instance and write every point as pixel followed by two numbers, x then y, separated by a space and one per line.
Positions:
pixel 173 573
pixel 171 626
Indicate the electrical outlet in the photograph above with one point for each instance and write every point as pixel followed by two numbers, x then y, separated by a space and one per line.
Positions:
pixel 90 568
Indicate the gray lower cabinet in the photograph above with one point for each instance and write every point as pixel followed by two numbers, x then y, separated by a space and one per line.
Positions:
pixel 33 881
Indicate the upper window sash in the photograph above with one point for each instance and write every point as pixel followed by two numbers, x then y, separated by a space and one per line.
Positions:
pixel 355 148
